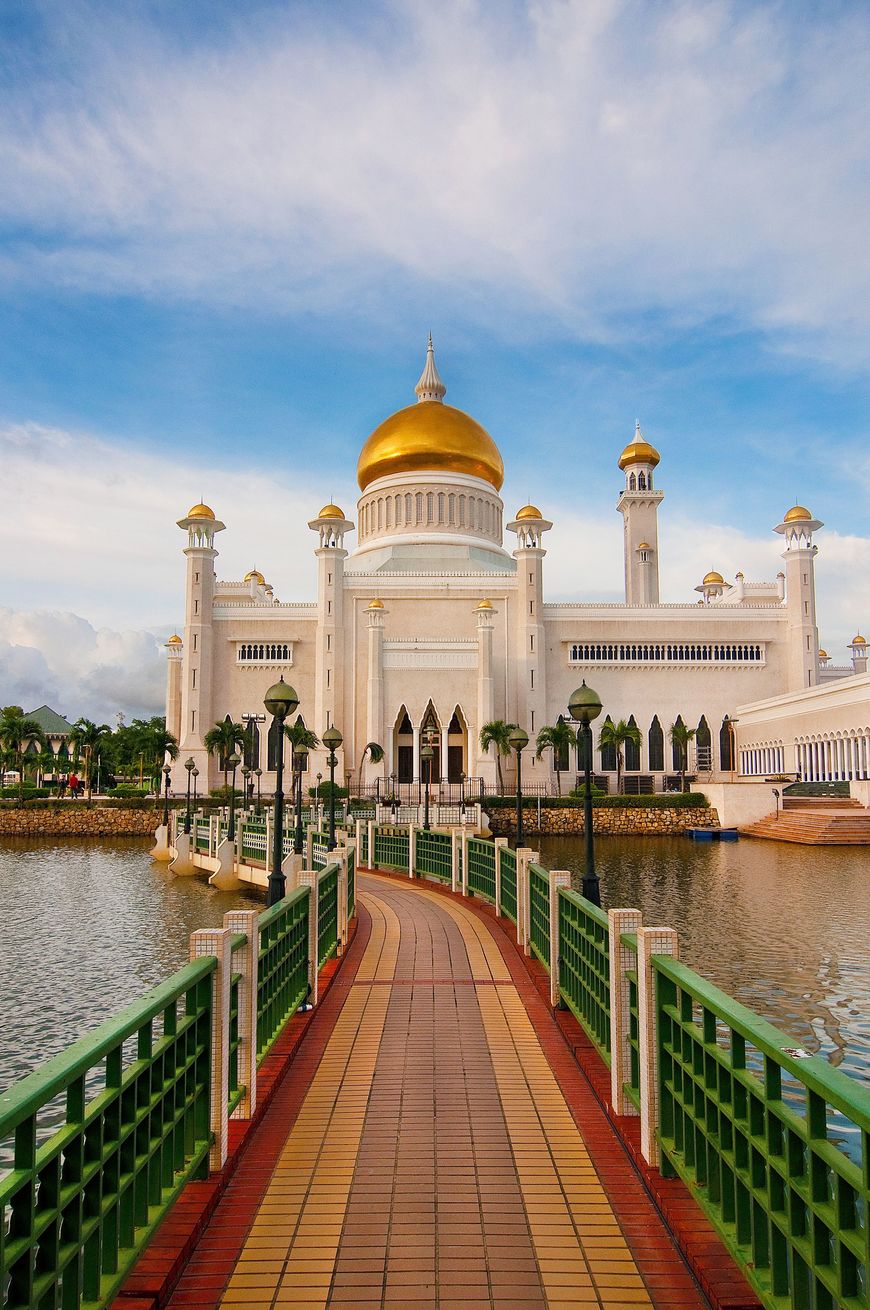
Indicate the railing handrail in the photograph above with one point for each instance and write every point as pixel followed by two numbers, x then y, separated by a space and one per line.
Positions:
pixel 578 899
pixel 815 1073
pixel 275 911
pixel 29 1094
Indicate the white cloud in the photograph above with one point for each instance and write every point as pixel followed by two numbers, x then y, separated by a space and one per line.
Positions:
pixel 602 161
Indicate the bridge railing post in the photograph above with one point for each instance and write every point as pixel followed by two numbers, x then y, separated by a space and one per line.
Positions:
pixel 455 859
pixel 557 878
pixel 370 859
pixel 525 857
pixel 412 851
pixel 309 846
pixel 499 843
pixel 650 942
pixel 216 941
pixel 340 856
pixel 622 961
pixel 245 963
pixel 309 878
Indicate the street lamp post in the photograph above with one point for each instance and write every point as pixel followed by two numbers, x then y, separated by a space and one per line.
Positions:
pixel 258 773
pixel 426 755
pixel 234 760
pixel 280 700
pixel 584 706
pixel 462 792
pixel 298 845
pixel 394 779
pixel 166 772
pixel 246 776
pixel 190 765
pixel 332 739
pixel 519 740
pixel 194 774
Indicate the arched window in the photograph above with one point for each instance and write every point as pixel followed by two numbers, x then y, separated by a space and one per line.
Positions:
pixel 252 744
pixel 631 751
pixel 608 754
pixel 451 507
pixel 704 744
pixel 409 508
pixel 632 483
pixel 726 746
pixel 462 511
pixel 656 746
pixel 275 745
pixel 641 482
pixel 676 748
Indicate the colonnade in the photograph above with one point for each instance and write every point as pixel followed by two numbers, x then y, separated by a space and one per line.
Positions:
pixel 763 760
pixel 823 759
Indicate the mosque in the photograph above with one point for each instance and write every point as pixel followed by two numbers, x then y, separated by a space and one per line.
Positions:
pixel 430 626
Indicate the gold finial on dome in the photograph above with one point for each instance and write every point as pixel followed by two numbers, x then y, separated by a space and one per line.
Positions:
pixel 430 386
pixel 529 512
pixel 713 578
pixel 639 451
pixel 200 511
pixel 485 604
pixel 175 640
pixel 797 514
pixel 254 575
pixel 858 640
pixel 331 511
pixel 376 604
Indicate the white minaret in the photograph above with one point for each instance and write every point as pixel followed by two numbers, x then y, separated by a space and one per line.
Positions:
pixel 529 639
pixel 174 672
pixel 197 711
pixel 484 766
pixel 375 686
pixel 638 504
pixel 802 663
pixel 328 708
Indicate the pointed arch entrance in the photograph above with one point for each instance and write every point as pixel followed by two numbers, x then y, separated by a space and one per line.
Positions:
pixel 457 746
pixel 430 735
pixel 403 747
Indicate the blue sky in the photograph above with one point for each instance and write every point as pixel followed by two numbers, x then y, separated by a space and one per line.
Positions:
pixel 225 232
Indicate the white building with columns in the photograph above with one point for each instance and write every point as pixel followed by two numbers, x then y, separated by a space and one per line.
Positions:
pixel 428 625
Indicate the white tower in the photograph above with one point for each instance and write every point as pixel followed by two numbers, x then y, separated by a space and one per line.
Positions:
pixel 198 677
pixel 174 672
pixel 638 504
pixel 331 526
pixel 858 647
pixel 375 687
pixel 529 639
pixel 798 527
pixel 485 763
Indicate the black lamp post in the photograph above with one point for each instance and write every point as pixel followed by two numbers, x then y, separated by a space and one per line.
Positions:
pixel 584 706
pixel 234 760
pixel 519 740
pixel 166 772
pixel 332 739
pixel 298 844
pixel 258 773
pixel 194 774
pixel 394 779
pixel 190 765
pixel 426 755
pixel 462 792
pixel 246 777
pixel 280 700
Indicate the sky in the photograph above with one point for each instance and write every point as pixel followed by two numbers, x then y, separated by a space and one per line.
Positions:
pixel 226 231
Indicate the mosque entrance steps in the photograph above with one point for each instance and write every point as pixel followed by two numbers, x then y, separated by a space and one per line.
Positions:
pixel 815 821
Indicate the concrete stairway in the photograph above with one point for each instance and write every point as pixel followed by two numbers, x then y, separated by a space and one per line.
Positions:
pixel 816 821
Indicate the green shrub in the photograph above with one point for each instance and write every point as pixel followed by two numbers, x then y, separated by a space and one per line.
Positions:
pixel 28 792
pixel 663 801
pixel 127 789
pixel 323 791
pixel 222 795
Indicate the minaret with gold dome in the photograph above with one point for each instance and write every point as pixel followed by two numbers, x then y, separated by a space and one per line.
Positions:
pixel 638 504
pixel 331 526
pixel 201 525
pixel 798 526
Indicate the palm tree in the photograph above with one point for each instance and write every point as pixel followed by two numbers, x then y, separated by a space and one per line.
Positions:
pixel 558 738
pixel 222 740
pixel 87 737
pixel 160 745
pixel 375 753
pixel 497 733
pixel 680 735
pixel 613 736
pixel 17 732
pixel 301 740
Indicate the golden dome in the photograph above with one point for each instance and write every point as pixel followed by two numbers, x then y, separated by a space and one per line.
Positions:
pixel 858 641
pixel 529 512
pixel 823 655
pixel 175 640
pixel 200 512
pixel 644 545
pixel 255 576
pixel 376 604
pixel 639 451
pixel 712 578
pixel 331 511
pixel 430 437
pixel 485 604
pixel 797 514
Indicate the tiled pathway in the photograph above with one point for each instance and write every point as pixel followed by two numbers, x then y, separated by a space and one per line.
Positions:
pixel 434 1161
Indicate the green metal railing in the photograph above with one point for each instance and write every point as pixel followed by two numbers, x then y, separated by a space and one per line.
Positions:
pixel 282 971
pixel 320 851
pixel 392 846
pixel 584 966
pixel 235 1089
pixel 351 882
pixel 364 845
pixel 201 832
pixel 632 1086
pixel 749 1123
pixel 253 843
pixel 508 883
pixel 435 855
pixel 481 867
pixel 327 914
pixel 539 913
pixel 79 1206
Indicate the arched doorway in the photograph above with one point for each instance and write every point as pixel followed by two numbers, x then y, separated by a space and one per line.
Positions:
pixel 430 735
pixel 457 744
pixel 404 747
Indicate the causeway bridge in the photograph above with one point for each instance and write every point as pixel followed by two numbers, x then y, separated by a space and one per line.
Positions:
pixel 432 1075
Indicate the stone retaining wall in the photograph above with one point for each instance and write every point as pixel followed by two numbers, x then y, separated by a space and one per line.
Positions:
pixel 628 821
pixel 75 822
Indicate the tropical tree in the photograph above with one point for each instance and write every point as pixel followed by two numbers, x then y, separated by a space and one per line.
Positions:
pixel 497 734
pixel 613 736
pixel 557 737
pixel 375 753
pixel 87 738
pixel 222 740
pixel 681 735
pixel 159 746
pixel 17 733
pixel 301 740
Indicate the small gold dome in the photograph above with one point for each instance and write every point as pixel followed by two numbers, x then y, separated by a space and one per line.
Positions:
pixel 430 437
pixel 331 511
pixel 255 576
pixel 175 640
pixel 529 512
pixel 485 604
pixel 858 641
pixel 376 604
pixel 797 514
pixel 712 578
pixel 639 451
pixel 644 545
pixel 200 512
pixel 823 655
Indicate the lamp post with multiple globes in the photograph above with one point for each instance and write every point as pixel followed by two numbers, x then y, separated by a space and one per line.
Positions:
pixel 584 706
pixel 519 740
pixel 332 739
pixel 190 765
pixel 280 700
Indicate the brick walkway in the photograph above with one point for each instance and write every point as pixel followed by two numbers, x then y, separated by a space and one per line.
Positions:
pixel 433 1160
